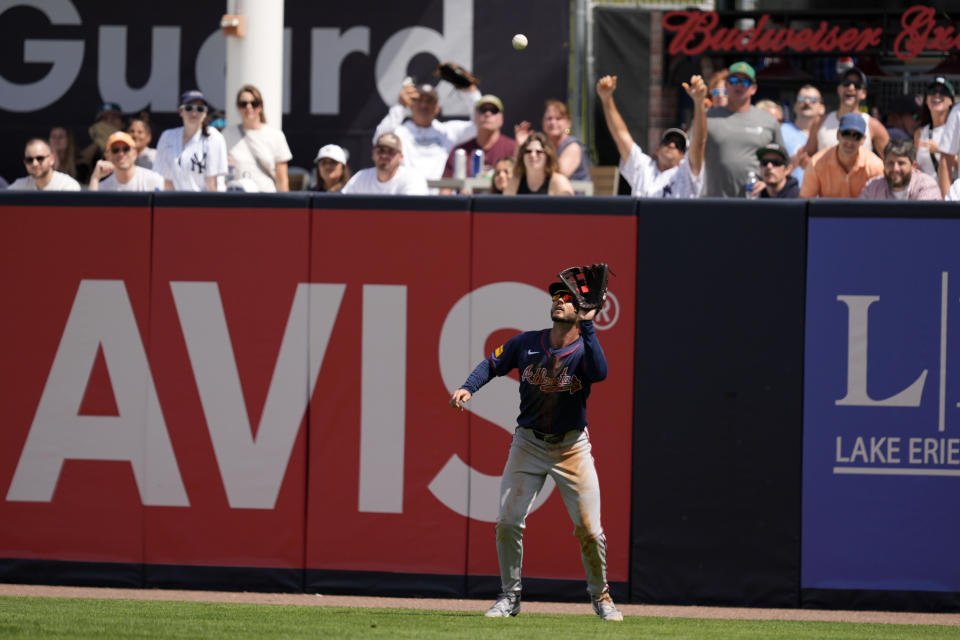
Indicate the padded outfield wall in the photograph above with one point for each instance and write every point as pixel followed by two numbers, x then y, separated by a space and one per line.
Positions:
pixel 249 392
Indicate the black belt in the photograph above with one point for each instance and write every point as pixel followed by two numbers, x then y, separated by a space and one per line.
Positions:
pixel 550 438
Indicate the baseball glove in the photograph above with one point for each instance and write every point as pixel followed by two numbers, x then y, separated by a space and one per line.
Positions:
pixel 456 75
pixel 588 284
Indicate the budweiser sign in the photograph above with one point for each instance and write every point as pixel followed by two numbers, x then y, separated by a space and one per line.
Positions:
pixel 697 32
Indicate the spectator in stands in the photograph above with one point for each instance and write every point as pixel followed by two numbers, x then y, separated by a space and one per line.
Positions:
pixel 332 170
pixel 842 170
pixel 938 98
pixel 502 172
pixel 571 156
pixel 900 179
pixel 673 173
pixel 852 91
pixel 255 150
pixel 38 158
pixel 192 157
pixel 536 169
pixel 807 108
pixel 120 172
pixel 772 108
pixel 734 133
pixel 953 193
pixel 139 129
pixel 775 180
pixel 718 88
pixel 488 118
pixel 426 140
pixel 388 176
pixel 108 119
pixel 64 150
pixel 902 117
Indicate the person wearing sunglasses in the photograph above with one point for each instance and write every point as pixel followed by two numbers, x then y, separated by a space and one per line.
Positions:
pixel 427 141
pixel 938 99
pixel 717 86
pixel 536 170
pixel 255 150
pixel 734 133
pixel 192 157
pixel 488 118
pixel 557 368
pixel 38 159
pixel 841 171
pixel 675 168
pixel 774 180
pixel 852 93
pixel 118 171
pixel 388 175
pixel 806 109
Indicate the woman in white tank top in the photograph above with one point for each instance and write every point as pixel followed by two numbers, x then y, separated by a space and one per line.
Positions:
pixel 938 99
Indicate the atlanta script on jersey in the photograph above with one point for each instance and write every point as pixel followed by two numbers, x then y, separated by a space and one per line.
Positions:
pixel 554 383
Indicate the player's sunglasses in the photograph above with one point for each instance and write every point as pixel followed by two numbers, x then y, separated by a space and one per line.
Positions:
pixel 808 99
pixel 853 135
pixel 37 159
pixel 243 104
pixel 562 297
pixel 735 80
pixel 199 108
pixel 120 148
pixel 488 108
pixel 776 162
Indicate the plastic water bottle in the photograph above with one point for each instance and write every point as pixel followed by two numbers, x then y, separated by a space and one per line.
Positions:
pixel 460 164
pixel 477 163
pixel 748 188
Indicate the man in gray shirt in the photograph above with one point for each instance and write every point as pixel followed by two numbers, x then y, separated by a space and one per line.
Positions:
pixel 734 133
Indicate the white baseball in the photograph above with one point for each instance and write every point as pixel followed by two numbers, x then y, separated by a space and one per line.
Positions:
pixel 519 41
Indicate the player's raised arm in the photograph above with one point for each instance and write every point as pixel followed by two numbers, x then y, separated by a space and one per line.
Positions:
pixel 618 128
pixel 697 90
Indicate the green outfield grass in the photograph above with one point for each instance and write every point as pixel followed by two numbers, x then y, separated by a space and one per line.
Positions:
pixel 110 619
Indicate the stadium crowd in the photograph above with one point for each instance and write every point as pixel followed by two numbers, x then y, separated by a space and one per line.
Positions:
pixel 735 148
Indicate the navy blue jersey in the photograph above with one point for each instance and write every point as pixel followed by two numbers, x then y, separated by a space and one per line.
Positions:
pixel 554 383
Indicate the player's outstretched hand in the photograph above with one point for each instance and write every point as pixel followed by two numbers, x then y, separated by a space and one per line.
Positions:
pixel 697 89
pixel 459 397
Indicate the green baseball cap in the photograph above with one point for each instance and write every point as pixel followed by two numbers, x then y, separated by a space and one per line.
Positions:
pixel 744 68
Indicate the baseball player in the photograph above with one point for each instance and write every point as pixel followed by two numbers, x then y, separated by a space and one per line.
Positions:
pixel 557 367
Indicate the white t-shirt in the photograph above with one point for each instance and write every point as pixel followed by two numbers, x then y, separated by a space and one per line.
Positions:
pixel 405 182
pixel 954 194
pixel 189 166
pixel 426 149
pixel 827 134
pixel 644 176
pixel 146 157
pixel 59 182
pixel 950 140
pixel 253 150
pixel 142 180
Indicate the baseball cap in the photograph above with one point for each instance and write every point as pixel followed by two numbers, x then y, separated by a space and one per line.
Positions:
pixel 855 71
pixel 108 106
pixel 556 287
pixel 121 136
pixel 191 95
pixel 940 81
pixel 773 147
pixel 677 136
pixel 332 151
pixel 489 99
pixel 744 68
pixel 853 122
pixel 391 141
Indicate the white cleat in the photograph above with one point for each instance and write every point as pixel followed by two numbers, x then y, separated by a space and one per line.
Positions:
pixel 507 604
pixel 605 608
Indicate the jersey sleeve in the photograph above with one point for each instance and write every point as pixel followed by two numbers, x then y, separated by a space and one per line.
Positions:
pixel 594 360
pixel 216 155
pixel 500 363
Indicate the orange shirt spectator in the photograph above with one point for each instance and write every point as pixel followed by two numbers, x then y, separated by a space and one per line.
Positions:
pixel 842 170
